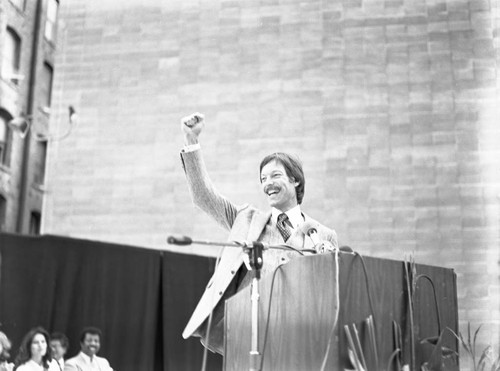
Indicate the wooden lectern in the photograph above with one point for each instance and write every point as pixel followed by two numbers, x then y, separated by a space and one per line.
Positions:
pixel 311 304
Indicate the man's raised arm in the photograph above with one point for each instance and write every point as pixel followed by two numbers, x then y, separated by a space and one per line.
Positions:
pixel 203 193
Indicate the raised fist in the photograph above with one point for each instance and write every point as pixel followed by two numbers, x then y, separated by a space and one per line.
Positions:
pixel 192 126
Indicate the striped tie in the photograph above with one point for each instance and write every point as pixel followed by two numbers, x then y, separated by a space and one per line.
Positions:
pixel 283 226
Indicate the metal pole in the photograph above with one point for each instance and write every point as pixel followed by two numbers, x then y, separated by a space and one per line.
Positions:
pixel 23 192
pixel 255 356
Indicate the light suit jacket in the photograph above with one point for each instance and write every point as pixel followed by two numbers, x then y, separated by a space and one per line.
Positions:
pixel 245 223
pixel 80 363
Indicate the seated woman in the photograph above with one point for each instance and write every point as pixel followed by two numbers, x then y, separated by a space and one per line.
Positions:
pixel 4 353
pixel 34 352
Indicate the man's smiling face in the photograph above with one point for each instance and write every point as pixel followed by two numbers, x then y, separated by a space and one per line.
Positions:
pixel 278 187
pixel 91 344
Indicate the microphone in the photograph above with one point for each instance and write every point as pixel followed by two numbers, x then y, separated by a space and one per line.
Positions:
pixel 310 229
pixel 246 245
pixel 179 240
pixel 185 240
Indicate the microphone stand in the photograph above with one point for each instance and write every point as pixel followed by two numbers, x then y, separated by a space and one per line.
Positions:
pixel 254 250
pixel 256 262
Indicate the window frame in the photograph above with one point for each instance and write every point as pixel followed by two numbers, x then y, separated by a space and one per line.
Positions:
pixel 50 31
pixel 41 163
pixel 3 212
pixel 35 226
pixel 5 143
pixel 11 59
pixel 47 84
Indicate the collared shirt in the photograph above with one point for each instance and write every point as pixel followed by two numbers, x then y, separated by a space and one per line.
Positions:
pixel 33 366
pixel 92 362
pixel 58 364
pixel 191 147
pixel 30 366
pixel 294 215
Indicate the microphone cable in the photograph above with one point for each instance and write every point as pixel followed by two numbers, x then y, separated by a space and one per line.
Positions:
pixel 269 315
pixel 293 249
pixel 337 302
pixel 281 247
pixel 335 321
pixel 370 301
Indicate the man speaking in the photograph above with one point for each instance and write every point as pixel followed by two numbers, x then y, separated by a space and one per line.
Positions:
pixel 283 183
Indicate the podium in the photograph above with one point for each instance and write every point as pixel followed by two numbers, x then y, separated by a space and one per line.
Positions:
pixel 311 303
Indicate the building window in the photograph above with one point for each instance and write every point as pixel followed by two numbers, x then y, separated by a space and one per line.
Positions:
pixel 11 56
pixel 39 162
pixel 35 223
pixel 3 213
pixel 51 20
pixel 46 85
pixel 5 138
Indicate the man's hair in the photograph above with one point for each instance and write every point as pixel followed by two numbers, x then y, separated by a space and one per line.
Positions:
pixel 91 331
pixel 60 337
pixel 293 168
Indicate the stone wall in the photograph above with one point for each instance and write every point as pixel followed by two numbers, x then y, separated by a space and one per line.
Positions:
pixel 392 106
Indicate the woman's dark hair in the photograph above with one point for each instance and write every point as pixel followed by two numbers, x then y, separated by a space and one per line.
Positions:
pixel 6 344
pixel 24 354
pixel 293 168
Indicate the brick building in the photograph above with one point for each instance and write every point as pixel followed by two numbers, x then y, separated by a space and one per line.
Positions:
pixel 392 106
pixel 27 53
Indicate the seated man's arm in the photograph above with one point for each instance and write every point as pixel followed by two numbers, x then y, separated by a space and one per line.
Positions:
pixel 70 366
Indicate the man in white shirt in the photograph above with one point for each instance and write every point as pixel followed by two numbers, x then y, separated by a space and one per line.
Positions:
pixel 59 344
pixel 87 359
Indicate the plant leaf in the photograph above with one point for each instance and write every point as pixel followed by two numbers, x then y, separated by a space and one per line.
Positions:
pixel 484 355
pixel 391 358
pixel 447 352
pixel 496 365
pixel 355 361
pixel 468 337
pixel 430 340
pixel 475 335
pixel 436 360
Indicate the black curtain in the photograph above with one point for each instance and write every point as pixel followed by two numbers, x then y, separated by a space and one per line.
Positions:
pixel 139 298
pixel 384 281
pixel 184 280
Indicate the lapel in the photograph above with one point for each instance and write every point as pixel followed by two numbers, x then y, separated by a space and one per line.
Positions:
pixel 297 240
pixel 258 224
pixel 84 361
pixel 80 362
